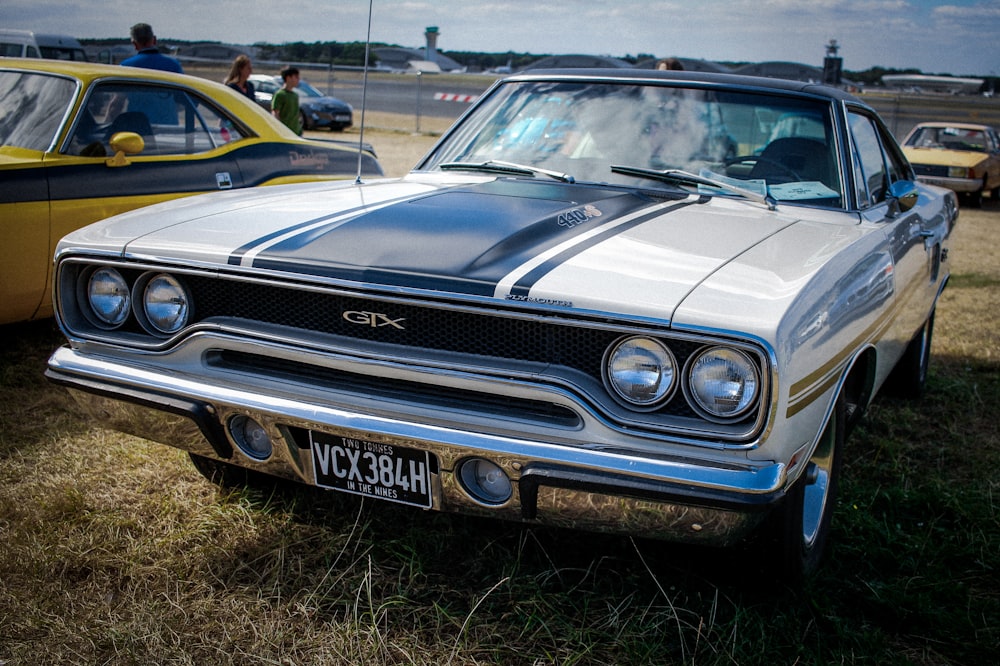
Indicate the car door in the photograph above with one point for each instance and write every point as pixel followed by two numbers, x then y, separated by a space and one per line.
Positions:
pixel 187 151
pixel 915 237
pixel 33 108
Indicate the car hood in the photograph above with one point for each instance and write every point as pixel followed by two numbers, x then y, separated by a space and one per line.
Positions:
pixel 943 157
pixel 582 246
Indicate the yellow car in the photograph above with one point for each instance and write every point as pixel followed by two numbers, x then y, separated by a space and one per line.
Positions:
pixel 80 142
pixel 963 157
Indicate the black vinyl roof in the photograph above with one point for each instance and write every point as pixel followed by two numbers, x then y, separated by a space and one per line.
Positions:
pixel 709 78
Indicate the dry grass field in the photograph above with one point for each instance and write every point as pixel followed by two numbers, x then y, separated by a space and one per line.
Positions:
pixel 114 550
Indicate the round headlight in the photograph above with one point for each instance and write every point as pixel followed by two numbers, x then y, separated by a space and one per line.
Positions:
pixel 640 371
pixel 723 382
pixel 166 304
pixel 108 296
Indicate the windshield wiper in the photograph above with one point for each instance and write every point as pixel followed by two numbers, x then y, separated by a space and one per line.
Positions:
pixel 679 177
pixel 499 166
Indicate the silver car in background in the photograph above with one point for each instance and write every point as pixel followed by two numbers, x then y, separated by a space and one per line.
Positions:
pixel 318 111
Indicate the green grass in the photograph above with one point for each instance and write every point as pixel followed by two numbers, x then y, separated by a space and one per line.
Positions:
pixel 114 550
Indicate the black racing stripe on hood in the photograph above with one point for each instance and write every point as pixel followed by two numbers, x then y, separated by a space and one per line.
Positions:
pixel 526 282
pixel 463 240
pixel 236 257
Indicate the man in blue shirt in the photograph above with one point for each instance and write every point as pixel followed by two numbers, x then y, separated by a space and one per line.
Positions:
pixel 148 55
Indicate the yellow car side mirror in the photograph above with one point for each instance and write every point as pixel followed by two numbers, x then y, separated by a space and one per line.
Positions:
pixel 124 143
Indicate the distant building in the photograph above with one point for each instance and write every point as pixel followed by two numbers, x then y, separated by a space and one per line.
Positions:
pixel 411 60
pixel 783 70
pixel 939 84
pixel 559 61
pixel 212 51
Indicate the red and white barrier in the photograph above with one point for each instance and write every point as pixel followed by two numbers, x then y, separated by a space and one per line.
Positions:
pixel 453 97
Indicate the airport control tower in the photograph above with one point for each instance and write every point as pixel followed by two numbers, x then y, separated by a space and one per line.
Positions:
pixel 431 34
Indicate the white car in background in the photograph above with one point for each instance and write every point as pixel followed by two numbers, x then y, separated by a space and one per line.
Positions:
pixel 963 157
pixel 611 300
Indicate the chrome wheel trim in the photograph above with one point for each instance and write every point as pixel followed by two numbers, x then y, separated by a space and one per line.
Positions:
pixel 816 493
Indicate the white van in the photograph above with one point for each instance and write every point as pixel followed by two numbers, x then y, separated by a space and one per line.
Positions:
pixel 18 44
pixel 28 44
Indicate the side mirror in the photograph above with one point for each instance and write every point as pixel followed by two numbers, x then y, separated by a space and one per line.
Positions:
pixel 124 143
pixel 903 195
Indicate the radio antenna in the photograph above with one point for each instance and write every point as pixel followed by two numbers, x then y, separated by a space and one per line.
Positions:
pixel 364 92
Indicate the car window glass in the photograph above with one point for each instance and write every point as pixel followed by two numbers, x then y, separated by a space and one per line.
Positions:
pixel 871 179
pixel 63 53
pixel 266 86
pixel 306 90
pixel 899 168
pixel 171 121
pixel 33 108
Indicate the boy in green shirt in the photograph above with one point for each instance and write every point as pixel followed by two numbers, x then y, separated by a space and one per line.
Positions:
pixel 285 102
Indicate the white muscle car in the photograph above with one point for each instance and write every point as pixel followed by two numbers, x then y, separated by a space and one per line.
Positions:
pixel 650 303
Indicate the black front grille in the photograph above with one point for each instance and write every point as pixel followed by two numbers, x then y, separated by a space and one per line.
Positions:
pixel 439 396
pixel 930 170
pixel 423 327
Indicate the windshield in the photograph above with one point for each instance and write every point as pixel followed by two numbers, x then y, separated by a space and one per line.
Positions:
pixel 306 90
pixel 776 146
pixel 950 138
pixel 32 108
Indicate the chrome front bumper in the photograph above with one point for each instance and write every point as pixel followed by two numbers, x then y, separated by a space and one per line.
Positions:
pixel 595 489
pixel 953 184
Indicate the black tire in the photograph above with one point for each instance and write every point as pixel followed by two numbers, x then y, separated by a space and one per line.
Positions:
pixel 793 539
pixel 232 477
pixel 976 198
pixel 305 122
pixel 909 378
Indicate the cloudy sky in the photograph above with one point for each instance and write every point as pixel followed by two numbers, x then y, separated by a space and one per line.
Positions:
pixel 960 37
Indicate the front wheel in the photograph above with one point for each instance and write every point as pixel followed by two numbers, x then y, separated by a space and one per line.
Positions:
pixel 793 538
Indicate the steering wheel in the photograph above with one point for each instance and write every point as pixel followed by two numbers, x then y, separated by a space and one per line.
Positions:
pixel 757 159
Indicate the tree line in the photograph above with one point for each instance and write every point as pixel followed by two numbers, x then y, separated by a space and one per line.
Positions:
pixel 352 54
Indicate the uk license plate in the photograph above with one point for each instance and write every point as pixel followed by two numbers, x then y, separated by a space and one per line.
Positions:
pixel 372 469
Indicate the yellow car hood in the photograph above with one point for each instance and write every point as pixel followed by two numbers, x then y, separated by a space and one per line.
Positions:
pixel 942 157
